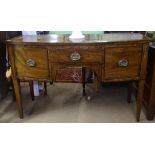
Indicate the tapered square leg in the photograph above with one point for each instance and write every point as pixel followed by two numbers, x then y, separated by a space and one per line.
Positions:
pixel 139 99
pixel 17 89
pixel 129 92
pixel 31 90
pixel 45 87
pixel 84 80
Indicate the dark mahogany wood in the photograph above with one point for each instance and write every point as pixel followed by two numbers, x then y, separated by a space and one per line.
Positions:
pixel 3 80
pixel 149 90
pixel 45 87
pixel 4 85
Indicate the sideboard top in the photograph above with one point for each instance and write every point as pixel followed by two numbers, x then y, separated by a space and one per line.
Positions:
pixel 91 38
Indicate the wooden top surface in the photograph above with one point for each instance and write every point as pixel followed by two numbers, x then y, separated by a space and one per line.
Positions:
pixel 91 38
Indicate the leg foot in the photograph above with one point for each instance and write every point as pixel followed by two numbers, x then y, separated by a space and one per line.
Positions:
pixel 139 98
pixel 17 89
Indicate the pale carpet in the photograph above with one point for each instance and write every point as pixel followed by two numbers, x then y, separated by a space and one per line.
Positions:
pixel 65 104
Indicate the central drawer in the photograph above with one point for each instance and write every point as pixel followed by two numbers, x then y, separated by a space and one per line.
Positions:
pixel 122 62
pixel 72 55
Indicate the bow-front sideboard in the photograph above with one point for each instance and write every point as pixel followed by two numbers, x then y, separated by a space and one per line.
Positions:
pixel 112 57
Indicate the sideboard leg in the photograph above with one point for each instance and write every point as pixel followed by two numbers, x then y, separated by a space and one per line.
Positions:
pixel 31 90
pixel 129 92
pixel 45 87
pixel 139 99
pixel 17 89
pixel 83 80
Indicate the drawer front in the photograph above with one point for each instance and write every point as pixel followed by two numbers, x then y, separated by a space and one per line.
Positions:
pixel 122 62
pixel 31 62
pixel 73 54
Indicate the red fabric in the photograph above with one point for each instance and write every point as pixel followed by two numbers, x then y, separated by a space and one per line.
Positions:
pixel 69 75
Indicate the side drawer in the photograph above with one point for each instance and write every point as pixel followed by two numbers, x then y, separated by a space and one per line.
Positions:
pixel 122 62
pixel 31 62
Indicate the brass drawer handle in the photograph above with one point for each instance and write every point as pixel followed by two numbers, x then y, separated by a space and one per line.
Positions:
pixel 75 56
pixel 30 63
pixel 123 63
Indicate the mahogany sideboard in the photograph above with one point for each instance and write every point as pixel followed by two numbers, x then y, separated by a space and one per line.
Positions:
pixel 112 57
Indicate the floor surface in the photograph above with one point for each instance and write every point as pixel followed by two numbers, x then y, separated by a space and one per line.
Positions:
pixel 65 104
